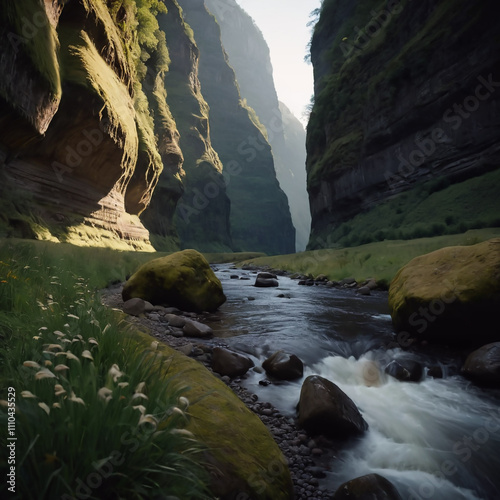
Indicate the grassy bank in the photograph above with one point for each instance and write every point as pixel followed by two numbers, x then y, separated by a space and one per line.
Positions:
pixel 379 260
pixel 96 414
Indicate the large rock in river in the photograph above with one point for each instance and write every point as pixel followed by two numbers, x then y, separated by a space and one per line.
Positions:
pixel 483 365
pixel 284 366
pixel 369 487
pixel 450 295
pixel 326 409
pixel 183 279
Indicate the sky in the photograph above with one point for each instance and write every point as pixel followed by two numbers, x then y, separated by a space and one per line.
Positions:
pixel 283 24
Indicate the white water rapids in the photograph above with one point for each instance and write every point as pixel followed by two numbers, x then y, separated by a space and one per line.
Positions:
pixel 438 439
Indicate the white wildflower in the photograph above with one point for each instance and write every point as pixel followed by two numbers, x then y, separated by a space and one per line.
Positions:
pixel 45 408
pixel 105 394
pixel 44 373
pixel 86 354
pixel 115 372
pixel 27 394
pixel 31 364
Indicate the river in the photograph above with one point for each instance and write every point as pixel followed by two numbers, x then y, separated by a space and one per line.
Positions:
pixel 437 439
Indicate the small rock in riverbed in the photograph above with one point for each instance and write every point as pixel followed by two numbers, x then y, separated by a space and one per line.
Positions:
pixel 232 364
pixel 174 320
pixel 196 329
pixel 134 307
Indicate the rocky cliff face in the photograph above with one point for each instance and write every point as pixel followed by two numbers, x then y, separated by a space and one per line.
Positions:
pixel 81 151
pixel 107 139
pixel 404 92
pixel 202 219
pixel 260 216
pixel 249 56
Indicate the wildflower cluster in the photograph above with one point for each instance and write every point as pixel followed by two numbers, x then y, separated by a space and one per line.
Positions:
pixel 89 393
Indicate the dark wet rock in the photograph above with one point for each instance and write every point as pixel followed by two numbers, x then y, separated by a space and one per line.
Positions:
pixel 284 366
pixel 265 275
pixel 483 365
pixel 369 487
pixel 364 290
pixel 435 372
pixel 234 277
pixel 405 370
pixel 232 364
pixel 265 279
pixel 197 329
pixel 134 307
pixel 370 283
pixel 347 281
pixel 325 409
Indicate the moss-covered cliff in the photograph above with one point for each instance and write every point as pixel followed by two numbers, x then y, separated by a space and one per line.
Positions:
pixel 81 147
pixel 260 216
pixel 405 92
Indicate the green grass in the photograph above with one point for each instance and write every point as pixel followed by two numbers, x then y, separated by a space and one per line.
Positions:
pixel 92 406
pixel 379 260
pixel 434 208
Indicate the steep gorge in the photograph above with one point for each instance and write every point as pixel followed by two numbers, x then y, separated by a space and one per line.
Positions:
pixel 107 137
pixel 405 92
pixel 249 56
pixel 260 215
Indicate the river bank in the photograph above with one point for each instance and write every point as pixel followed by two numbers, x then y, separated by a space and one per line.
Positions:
pixel 348 338
pixel 308 458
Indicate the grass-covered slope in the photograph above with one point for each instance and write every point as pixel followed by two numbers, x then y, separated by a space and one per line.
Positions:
pixel 103 411
pixel 379 260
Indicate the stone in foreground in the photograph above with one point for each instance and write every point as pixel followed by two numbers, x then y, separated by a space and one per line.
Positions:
pixel 183 279
pixel 325 409
pixel 450 295
pixel 369 487
pixel 232 364
pixel 483 365
pixel 284 366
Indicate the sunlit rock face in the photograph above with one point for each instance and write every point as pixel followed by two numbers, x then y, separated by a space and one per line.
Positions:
pixel 404 92
pixel 80 155
pixel 260 216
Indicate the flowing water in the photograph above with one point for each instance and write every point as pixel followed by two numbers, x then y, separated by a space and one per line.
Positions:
pixel 438 439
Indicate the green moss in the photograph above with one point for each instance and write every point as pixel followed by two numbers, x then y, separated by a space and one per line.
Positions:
pixel 36 36
pixel 240 447
pixel 183 279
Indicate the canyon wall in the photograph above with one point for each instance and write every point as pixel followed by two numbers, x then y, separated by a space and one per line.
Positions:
pixel 260 216
pixel 249 56
pixel 405 92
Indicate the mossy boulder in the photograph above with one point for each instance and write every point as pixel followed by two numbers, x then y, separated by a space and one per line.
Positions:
pixel 183 279
pixel 450 295
pixel 243 459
